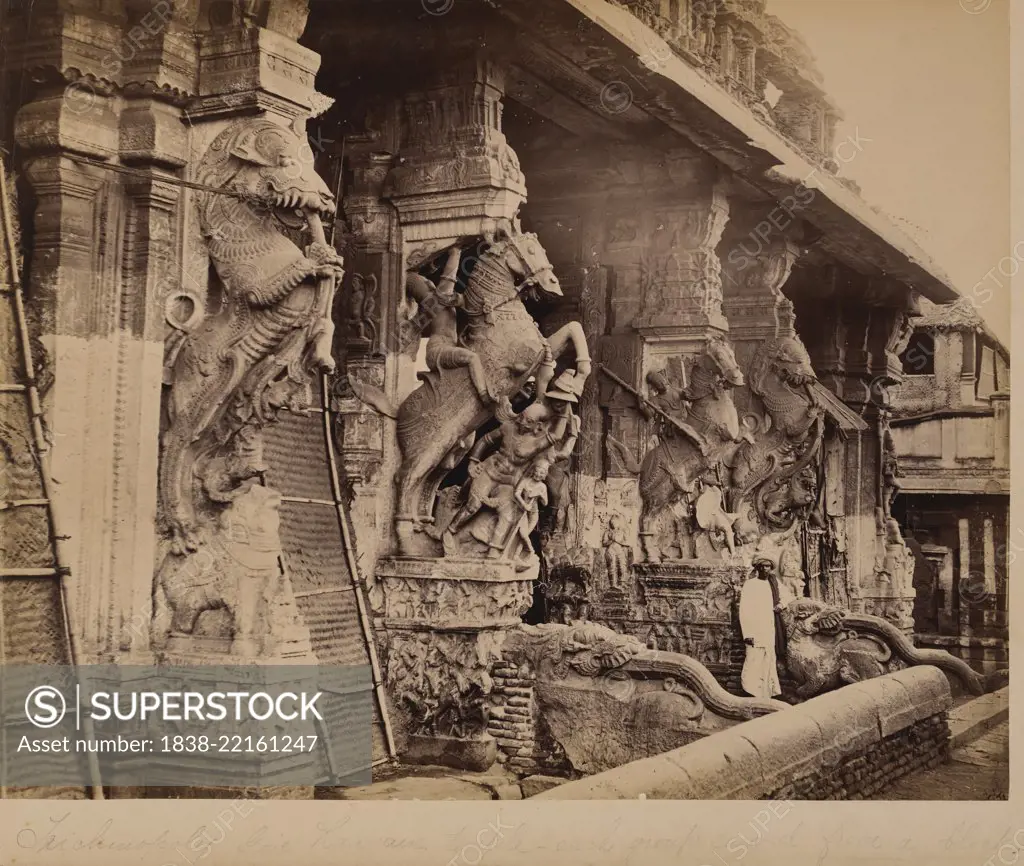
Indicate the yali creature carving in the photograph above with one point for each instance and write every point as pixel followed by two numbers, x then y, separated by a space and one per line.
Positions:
pixel 827 647
pixel 265 332
pixel 775 467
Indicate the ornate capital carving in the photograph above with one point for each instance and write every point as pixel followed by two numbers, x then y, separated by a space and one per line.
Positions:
pixel 680 270
pixel 458 173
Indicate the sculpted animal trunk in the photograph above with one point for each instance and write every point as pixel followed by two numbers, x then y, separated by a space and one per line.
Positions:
pixel 827 647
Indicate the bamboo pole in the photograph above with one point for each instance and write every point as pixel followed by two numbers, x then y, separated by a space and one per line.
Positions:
pixel 353 569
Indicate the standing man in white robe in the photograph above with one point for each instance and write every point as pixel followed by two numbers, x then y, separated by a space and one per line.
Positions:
pixel 759 623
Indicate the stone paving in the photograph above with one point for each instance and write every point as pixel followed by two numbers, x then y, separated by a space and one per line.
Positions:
pixel 979 770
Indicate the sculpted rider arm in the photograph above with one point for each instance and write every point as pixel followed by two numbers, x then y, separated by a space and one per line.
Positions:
pixel 446 285
pixel 557 434
pixel 493 438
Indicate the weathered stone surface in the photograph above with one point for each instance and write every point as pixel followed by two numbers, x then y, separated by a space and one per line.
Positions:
pixel 790 755
pixel 509 792
pixel 419 788
pixel 893 706
pixel 789 745
pixel 969 720
pixel 726 766
pixel 847 723
pixel 928 688
pixel 467 754
pixel 534 785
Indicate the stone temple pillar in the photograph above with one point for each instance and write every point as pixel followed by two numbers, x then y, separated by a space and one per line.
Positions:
pixel 860 328
pixel 444 617
pixel 102 270
pixel 124 103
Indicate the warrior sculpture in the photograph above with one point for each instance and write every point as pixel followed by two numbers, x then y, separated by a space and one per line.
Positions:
pixel 691 451
pixel 439 303
pixel 437 423
pixel 491 501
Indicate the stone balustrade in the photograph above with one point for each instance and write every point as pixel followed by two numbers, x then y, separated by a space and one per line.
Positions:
pixel 847 744
pixel 743 48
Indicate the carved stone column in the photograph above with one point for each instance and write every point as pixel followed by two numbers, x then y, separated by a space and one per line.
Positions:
pixel 666 215
pixel 444 617
pixel 861 327
pixel 102 265
pixel 457 171
pixel 775 480
pixel 680 270
pixel 368 337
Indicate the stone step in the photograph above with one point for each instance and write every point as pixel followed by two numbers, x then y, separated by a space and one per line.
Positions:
pixel 974 718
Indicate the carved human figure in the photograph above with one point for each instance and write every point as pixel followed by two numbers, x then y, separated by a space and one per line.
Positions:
pixel 688 451
pixel 439 304
pixel 531 492
pixel 362 306
pixel 898 559
pixel 664 395
pixel 890 469
pixel 566 388
pixel 517 442
pixel 438 422
pixel 546 429
pixel 616 550
pixel 519 438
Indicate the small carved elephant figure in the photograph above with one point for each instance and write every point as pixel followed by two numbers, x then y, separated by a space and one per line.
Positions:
pixel 821 655
pixel 235 570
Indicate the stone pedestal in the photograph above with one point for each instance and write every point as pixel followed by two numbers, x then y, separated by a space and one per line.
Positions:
pixel 445 622
pixel 689 608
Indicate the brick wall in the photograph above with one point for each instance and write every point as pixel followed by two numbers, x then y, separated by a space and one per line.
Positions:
pixel 511 720
pixel 524 745
pixel 924 744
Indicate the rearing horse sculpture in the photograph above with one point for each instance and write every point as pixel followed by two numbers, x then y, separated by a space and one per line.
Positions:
pixel 437 423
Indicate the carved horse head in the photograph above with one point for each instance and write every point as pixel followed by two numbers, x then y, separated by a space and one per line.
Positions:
pixel 524 256
pixel 792 363
pixel 270 166
pixel 712 377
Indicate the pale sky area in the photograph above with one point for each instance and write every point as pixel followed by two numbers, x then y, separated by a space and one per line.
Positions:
pixel 928 82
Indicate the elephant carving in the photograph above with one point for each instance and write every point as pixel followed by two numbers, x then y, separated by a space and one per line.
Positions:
pixel 236 570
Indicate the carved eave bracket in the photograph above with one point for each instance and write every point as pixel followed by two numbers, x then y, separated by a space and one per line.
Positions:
pixel 757 260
